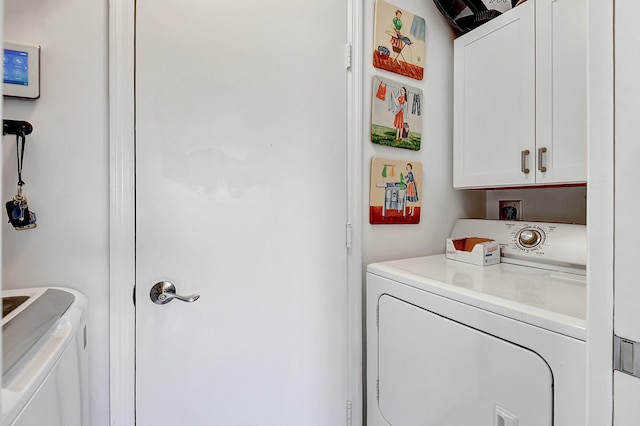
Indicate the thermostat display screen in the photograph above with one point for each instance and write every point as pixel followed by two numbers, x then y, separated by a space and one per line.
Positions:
pixel 21 63
pixel 16 67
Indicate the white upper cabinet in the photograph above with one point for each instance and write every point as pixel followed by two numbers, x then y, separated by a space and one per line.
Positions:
pixel 520 98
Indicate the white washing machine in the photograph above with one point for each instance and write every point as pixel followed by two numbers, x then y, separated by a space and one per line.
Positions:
pixel 44 357
pixel 453 344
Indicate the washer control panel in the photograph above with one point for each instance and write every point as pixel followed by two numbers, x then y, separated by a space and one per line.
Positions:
pixel 537 242
pixel 527 238
pixel 530 238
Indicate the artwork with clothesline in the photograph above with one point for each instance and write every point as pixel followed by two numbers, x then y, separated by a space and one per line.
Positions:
pixel 396 114
pixel 398 40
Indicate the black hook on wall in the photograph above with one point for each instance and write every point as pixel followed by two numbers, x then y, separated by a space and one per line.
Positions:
pixel 16 127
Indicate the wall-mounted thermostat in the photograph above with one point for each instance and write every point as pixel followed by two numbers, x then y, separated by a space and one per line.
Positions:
pixel 21 70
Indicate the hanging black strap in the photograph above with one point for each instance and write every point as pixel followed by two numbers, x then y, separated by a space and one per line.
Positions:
pixel 20 155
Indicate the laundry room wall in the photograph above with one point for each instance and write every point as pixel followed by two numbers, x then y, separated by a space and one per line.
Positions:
pixel 441 204
pixel 562 204
pixel 66 168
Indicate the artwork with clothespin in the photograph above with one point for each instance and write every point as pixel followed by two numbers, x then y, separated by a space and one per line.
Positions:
pixel 396 114
pixel 394 196
pixel 20 216
pixel 398 41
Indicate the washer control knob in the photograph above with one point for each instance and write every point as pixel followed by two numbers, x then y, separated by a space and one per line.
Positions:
pixel 529 237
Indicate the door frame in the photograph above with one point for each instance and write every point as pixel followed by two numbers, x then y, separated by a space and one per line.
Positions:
pixel 600 221
pixel 122 268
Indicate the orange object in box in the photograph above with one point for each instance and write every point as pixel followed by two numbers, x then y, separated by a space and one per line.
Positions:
pixel 467 244
pixel 475 250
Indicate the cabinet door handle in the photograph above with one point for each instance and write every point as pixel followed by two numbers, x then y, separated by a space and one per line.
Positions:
pixel 523 161
pixel 540 166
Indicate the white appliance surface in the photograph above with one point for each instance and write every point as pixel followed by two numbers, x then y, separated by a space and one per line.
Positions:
pixel 552 300
pixel 556 246
pixel 47 385
pixel 487 371
pixel 450 343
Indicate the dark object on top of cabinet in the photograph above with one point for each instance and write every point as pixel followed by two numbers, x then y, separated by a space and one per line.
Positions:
pixel 465 15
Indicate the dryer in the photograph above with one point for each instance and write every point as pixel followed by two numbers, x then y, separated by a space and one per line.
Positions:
pixel 450 343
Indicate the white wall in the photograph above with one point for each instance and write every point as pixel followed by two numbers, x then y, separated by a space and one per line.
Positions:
pixel 441 204
pixel 67 164
pixel 66 167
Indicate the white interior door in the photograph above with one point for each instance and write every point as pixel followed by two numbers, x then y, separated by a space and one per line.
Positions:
pixel 241 198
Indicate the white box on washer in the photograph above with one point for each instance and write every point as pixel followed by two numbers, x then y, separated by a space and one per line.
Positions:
pixel 477 251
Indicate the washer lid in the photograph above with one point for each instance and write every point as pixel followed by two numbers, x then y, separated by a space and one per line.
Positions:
pixel 24 378
pixel 22 331
pixel 552 300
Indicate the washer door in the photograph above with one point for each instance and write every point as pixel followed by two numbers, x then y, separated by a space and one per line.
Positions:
pixel 435 371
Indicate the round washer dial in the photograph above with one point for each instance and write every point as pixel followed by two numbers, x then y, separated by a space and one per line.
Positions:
pixel 529 237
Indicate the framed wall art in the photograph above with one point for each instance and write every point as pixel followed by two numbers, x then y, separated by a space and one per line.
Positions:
pixel 396 114
pixel 394 196
pixel 399 41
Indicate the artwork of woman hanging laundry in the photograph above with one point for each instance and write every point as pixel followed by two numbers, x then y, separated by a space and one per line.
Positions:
pixel 394 197
pixel 396 114
pixel 398 41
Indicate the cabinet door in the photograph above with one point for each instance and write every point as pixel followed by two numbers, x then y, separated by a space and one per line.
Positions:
pixel 494 102
pixel 561 85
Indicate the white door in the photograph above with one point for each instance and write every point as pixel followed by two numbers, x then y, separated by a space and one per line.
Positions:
pixel 241 199
pixel 626 387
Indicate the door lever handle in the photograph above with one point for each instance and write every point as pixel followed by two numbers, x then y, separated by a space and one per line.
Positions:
pixel 164 292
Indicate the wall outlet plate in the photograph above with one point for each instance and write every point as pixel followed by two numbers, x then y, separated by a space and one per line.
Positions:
pixel 510 210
